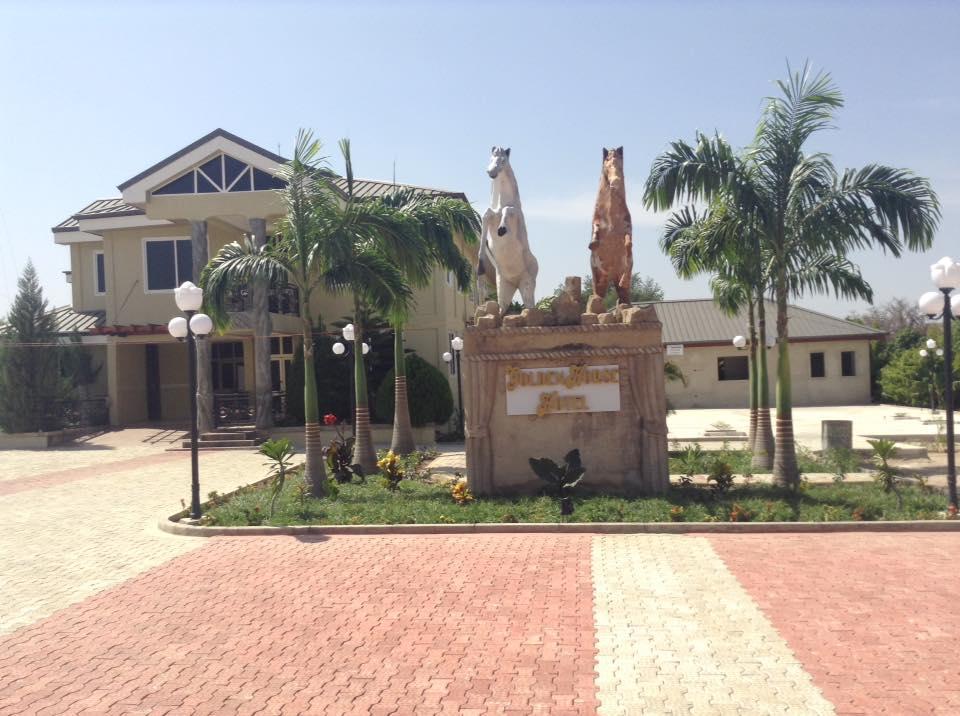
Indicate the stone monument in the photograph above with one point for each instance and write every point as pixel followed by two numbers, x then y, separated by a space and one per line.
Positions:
pixel 503 238
pixel 539 384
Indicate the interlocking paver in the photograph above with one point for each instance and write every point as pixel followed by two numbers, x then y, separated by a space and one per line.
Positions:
pixel 350 625
pixel 871 616
pixel 676 634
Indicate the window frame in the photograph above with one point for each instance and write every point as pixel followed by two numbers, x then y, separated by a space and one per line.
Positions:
pixel 146 277
pixel 823 363
pixel 853 364
pixel 96 273
pixel 745 359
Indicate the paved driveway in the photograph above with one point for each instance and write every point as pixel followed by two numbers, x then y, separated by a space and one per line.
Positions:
pixel 102 614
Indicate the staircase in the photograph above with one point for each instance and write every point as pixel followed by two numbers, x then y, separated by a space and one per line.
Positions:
pixel 233 437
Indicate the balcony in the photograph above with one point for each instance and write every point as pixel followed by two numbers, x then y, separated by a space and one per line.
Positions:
pixel 283 300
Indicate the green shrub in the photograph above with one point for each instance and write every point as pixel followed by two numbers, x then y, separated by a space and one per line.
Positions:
pixel 430 397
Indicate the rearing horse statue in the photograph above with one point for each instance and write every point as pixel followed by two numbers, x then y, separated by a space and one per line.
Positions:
pixel 503 238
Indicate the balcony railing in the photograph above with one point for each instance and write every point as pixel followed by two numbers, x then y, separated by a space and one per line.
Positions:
pixel 281 299
pixel 240 408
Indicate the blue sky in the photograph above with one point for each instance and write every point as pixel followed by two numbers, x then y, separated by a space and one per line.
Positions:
pixel 92 93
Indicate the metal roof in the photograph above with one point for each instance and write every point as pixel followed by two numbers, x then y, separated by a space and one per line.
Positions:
pixel 367 188
pixel 701 321
pixel 100 208
pixel 69 322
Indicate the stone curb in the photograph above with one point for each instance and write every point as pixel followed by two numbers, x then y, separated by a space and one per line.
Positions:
pixel 173 526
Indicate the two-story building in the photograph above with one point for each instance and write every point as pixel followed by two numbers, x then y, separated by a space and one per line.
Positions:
pixel 129 253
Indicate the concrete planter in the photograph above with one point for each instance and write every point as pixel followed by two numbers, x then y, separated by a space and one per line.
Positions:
pixel 39 441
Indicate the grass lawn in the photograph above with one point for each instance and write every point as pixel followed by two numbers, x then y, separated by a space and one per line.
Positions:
pixel 420 502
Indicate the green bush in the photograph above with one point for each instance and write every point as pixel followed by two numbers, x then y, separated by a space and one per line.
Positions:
pixel 429 394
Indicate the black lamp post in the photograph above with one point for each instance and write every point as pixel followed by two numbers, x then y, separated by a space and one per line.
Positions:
pixel 925 353
pixel 341 349
pixel 457 345
pixel 946 277
pixel 196 325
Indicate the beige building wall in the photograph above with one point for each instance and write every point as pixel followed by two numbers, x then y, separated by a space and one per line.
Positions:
pixel 174 381
pixel 130 396
pixel 705 390
pixel 83 276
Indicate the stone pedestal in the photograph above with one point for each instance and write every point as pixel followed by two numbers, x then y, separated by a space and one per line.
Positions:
pixel 541 391
pixel 836 434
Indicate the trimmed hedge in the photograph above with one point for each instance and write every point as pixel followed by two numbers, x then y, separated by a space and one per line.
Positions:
pixel 428 391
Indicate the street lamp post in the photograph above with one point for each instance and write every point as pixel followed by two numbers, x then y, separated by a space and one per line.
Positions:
pixel 945 275
pixel 457 345
pixel 189 299
pixel 924 353
pixel 341 349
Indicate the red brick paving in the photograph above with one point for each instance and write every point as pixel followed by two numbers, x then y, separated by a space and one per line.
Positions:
pixel 490 624
pixel 874 618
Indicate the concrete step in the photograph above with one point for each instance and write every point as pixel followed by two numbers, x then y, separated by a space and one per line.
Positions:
pixel 230 435
pixel 244 443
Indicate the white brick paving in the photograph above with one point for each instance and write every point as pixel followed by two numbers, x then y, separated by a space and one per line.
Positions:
pixel 677 634
pixel 63 543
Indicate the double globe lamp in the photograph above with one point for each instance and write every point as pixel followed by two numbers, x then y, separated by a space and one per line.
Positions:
pixel 945 275
pixel 189 299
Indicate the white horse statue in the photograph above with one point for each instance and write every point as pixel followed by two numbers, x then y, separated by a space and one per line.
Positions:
pixel 503 238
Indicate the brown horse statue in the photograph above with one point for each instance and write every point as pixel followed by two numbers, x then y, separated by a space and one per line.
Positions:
pixel 611 245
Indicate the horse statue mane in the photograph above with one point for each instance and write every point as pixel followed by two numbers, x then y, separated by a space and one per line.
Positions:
pixel 504 248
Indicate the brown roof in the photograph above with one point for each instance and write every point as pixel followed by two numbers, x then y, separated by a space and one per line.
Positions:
pixel 100 208
pixel 367 188
pixel 701 321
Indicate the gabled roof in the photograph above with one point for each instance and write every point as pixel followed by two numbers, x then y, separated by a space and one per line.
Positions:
pixel 99 208
pixel 203 140
pixel 700 321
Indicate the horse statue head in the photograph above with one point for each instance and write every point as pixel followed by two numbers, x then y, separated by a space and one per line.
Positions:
pixel 499 158
pixel 613 166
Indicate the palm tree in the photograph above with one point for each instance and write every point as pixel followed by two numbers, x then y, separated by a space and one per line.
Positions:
pixel 440 219
pixel 322 243
pixel 393 239
pixel 721 243
pixel 807 215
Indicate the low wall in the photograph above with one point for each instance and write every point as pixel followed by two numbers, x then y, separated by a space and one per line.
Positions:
pixel 40 441
pixel 540 391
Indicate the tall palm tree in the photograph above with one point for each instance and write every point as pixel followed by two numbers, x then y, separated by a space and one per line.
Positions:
pixel 720 242
pixel 322 243
pixel 439 220
pixel 807 214
pixel 394 237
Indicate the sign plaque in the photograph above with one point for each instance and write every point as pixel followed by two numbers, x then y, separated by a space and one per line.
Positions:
pixel 565 389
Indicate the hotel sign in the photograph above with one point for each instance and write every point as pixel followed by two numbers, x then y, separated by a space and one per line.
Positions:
pixel 570 389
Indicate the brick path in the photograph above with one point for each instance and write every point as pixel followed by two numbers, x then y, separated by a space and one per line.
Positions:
pixel 873 618
pixel 100 613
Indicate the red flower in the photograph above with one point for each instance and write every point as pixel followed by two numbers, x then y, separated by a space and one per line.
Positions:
pixel 329 419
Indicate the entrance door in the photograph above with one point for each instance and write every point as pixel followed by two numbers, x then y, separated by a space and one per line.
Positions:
pixel 153 381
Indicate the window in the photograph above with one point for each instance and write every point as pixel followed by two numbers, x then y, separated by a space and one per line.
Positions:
pixel 169 262
pixel 848 363
pixel 818 368
pixel 733 368
pixel 99 273
pixel 227 362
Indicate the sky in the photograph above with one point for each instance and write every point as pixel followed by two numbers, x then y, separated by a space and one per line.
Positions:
pixel 93 93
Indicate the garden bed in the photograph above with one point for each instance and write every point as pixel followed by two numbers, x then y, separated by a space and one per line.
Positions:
pixel 417 502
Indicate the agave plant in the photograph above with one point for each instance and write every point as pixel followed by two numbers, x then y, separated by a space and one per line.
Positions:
pixel 560 479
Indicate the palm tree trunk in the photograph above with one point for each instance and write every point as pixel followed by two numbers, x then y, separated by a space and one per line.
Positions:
pixel 763 449
pixel 315 474
pixel 752 362
pixel 403 442
pixel 785 469
pixel 363 452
